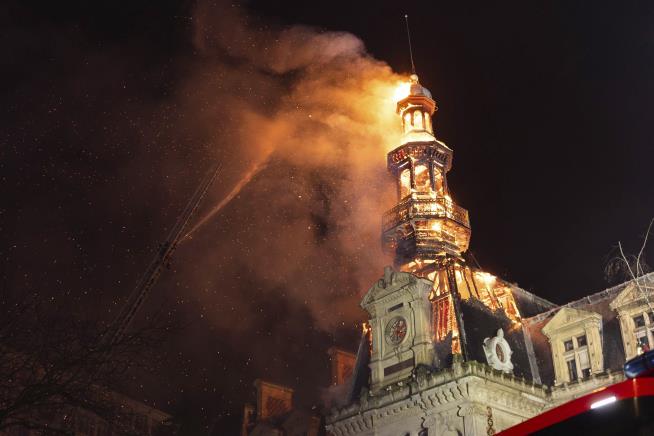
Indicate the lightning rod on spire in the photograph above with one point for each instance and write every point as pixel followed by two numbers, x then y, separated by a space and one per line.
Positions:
pixel 408 35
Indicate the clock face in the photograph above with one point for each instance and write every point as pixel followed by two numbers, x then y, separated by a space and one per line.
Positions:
pixel 396 330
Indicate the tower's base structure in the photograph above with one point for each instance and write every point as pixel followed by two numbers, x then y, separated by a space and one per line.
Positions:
pixel 450 349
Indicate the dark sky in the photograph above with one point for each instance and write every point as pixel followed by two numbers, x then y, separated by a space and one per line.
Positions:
pixel 112 111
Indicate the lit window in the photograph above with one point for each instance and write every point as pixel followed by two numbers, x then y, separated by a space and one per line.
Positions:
pixel 421 177
pixel 417 120
pixel 428 123
pixel 641 338
pixel 438 181
pixel 405 183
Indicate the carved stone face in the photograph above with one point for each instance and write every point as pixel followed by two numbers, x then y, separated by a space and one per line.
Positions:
pixel 396 330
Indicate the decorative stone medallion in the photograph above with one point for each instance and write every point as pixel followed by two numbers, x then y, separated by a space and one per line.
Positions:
pixel 498 352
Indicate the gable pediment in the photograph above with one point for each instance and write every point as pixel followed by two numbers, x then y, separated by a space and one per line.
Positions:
pixel 391 282
pixel 634 294
pixel 566 317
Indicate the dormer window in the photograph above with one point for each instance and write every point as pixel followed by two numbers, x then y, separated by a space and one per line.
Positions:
pixel 576 357
pixel 644 331
pixel 635 315
pixel 576 342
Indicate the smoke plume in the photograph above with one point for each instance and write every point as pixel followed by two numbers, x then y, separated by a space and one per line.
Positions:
pixel 321 110
pixel 104 141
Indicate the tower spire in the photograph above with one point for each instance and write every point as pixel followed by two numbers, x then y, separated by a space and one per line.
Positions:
pixel 408 35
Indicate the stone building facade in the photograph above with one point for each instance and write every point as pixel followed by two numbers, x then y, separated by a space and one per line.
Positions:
pixel 449 349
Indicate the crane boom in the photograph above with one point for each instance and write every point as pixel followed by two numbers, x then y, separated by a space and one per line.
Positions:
pixel 152 273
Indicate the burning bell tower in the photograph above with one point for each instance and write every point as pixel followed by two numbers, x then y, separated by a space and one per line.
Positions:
pixel 427 232
pixel 416 311
pixel 426 226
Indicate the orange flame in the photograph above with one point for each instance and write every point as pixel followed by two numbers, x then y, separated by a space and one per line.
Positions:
pixel 402 90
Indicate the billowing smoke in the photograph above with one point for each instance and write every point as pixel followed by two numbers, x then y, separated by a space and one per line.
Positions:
pixel 317 107
pixel 105 148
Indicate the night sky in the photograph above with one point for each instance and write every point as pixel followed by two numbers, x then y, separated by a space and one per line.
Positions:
pixel 113 111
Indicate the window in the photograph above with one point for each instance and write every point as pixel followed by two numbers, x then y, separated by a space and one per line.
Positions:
pixel 428 123
pixel 641 339
pixel 438 182
pixel 584 363
pixel 643 330
pixel 405 183
pixel 576 343
pixel 636 319
pixel 568 345
pixel 421 177
pixel 572 369
pixel 576 357
pixel 417 120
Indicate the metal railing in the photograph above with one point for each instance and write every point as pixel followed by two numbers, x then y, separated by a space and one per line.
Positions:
pixel 439 207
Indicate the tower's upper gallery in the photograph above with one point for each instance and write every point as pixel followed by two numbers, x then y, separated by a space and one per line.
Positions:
pixel 426 224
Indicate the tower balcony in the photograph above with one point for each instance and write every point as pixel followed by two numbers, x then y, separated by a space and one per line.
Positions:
pixel 425 208
pixel 425 228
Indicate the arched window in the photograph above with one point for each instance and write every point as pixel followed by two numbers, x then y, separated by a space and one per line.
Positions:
pixel 438 182
pixel 405 183
pixel 421 178
pixel 428 123
pixel 407 121
pixel 417 120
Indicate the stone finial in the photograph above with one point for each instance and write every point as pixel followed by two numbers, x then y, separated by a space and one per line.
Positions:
pixel 388 275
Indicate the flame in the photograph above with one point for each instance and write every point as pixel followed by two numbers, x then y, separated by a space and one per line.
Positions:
pixel 402 90
pixel 487 278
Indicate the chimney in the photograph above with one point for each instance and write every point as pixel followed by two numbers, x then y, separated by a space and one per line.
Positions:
pixel 248 414
pixel 272 399
pixel 342 365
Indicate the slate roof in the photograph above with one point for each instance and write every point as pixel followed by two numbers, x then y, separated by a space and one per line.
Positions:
pixel 613 349
pixel 531 356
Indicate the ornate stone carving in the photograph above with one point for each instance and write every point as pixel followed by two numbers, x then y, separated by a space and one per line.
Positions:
pixel 498 352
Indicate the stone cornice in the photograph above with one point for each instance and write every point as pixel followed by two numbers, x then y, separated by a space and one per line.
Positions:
pixel 569 391
pixel 470 381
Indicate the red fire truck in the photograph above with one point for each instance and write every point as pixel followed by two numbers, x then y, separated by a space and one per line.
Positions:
pixel 625 408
